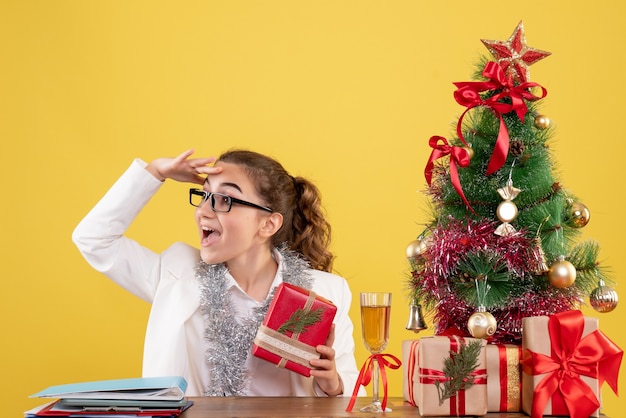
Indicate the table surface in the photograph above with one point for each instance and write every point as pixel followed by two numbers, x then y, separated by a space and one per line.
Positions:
pixel 251 407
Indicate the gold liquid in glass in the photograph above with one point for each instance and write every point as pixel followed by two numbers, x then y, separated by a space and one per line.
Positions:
pixel 375 314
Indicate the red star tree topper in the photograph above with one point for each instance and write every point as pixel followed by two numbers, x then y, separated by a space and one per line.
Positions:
pixel 514 56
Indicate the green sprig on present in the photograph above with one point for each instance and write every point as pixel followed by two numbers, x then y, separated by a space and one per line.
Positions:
pixel 458 370
pixel 301 319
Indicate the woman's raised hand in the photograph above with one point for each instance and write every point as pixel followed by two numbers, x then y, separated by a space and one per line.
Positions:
pixel 183 168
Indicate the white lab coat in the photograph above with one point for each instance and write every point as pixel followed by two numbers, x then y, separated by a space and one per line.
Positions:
pixel 174 343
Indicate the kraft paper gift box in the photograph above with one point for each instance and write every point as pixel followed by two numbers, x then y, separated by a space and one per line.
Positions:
pixel 409 355
pixel 424 363
pixel 296 322
pixel 504 377
pixel 565 360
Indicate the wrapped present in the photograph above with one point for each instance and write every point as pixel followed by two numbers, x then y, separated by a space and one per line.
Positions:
pixel 565 360
pixel 409 356
pixel 296 322
pixel 504 377
pixel 425 379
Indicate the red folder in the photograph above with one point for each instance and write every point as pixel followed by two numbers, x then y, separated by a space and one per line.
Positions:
pixel 58 409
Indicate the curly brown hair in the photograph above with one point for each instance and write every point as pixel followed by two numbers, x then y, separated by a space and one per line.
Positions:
pixel 304 228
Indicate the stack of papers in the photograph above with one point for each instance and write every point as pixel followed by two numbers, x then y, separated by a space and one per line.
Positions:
pixel 144 397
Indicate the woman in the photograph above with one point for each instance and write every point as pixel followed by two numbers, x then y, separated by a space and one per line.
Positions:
pixel 257 227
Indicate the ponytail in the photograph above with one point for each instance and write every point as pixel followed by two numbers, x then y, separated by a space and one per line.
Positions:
pixel 311 231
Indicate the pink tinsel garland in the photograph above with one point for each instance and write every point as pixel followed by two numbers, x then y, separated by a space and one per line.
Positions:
pixel 448 243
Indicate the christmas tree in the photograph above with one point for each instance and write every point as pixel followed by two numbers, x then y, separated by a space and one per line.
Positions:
pixel 504 242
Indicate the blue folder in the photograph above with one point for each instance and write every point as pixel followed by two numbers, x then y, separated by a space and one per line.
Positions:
pixel 170 388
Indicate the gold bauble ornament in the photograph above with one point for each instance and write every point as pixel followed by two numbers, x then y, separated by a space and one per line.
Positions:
pixel 578 215
pixel 603 298
pixel 562 273
pixel 416 248
pixel 542 122
pixel 482 324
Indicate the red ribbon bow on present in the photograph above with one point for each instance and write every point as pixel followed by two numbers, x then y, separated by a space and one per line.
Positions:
pixel 458 156
pixel 594 355
pixel 433 376
pixel 468 94
pixel 365 376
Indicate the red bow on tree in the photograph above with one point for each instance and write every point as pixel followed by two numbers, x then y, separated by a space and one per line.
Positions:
pixel 468 95
pixel 458 156
pixel 594 355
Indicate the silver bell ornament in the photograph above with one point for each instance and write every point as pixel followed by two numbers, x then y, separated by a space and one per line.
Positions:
pixel 416 321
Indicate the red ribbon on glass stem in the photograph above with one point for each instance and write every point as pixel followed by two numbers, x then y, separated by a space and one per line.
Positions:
pixel 365 375
pixel 468 95
pixel 458 157
pixel 595 356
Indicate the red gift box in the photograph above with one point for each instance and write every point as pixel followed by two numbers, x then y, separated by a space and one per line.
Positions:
pixel 504 378
pixel 296 322
pixel 565 360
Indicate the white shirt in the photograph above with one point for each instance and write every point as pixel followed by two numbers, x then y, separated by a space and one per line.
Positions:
pixel 265 378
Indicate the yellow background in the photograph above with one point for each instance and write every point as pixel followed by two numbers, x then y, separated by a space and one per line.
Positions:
pixel 346 93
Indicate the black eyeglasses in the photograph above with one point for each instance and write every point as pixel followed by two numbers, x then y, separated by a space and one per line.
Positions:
pixel 219 202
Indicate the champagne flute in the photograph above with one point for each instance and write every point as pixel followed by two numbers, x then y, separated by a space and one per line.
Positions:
pixel 375 313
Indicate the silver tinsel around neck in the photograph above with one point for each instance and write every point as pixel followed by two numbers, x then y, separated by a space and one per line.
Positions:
pixel 230 340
